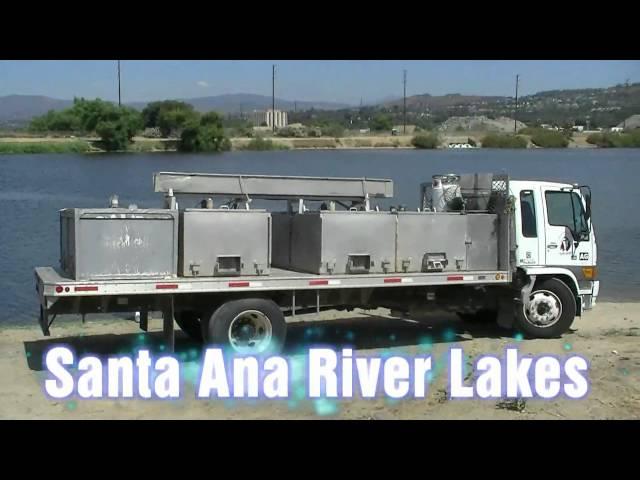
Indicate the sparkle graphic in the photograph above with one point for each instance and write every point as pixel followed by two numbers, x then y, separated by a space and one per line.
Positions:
pixel 425 343
pixel 519 337
pixel 71 405
pixel 449 335
pixel 567 346
pixel 324 407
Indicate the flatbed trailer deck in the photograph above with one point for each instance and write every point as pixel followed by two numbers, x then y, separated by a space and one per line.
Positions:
pixel 60 294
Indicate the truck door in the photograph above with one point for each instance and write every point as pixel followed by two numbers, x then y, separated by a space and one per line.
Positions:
pixel 527 231
pixel 568 234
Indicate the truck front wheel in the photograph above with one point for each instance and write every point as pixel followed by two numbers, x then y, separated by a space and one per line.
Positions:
pixel 549 311
pixel 247 326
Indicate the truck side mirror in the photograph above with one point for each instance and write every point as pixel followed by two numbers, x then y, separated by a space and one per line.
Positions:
pixel 586 193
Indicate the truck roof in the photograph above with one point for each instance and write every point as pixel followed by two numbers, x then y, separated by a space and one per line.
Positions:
pixel 530 183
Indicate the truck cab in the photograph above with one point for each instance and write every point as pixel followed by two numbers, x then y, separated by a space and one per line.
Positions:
pixel 554 240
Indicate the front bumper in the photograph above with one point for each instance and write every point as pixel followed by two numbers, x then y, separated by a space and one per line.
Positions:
pixel 589 299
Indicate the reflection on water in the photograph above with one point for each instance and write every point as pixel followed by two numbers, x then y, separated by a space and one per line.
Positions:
pixel 34 187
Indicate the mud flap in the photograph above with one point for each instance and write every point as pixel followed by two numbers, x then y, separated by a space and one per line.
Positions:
pixel 44 321
pixel 167 325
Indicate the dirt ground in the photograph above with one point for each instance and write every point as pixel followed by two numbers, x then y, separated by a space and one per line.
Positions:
pixel 608 336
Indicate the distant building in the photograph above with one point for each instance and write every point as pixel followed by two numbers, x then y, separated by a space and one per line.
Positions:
pixel 269 117
pixel 617 129
pixel 578 128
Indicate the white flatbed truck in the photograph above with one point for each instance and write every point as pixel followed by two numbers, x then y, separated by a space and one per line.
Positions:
pixel 547 277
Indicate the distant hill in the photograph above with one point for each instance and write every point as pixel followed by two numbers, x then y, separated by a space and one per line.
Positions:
pixel 20 108
pixel 16 109
pixel 232 103
pixel 423 101
pixel 594 107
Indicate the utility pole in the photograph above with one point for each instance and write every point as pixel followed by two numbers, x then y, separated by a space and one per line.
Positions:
pixel 624 122
pixel 515 116
pixel 404 111
pixel 273 99
pixel 119 92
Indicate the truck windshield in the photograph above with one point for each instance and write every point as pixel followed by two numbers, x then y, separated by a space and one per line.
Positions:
pixel 565 209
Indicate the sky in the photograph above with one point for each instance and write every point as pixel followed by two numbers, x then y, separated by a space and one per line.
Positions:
pixel 342 81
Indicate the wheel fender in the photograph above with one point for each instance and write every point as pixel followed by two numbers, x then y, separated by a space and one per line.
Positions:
pixel 553 272
pixel 556 272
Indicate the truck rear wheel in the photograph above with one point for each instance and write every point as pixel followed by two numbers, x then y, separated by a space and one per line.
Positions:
pixel 549 311
pixel 247 326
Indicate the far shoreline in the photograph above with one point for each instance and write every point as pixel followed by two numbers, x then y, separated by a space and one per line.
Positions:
pixel 87 145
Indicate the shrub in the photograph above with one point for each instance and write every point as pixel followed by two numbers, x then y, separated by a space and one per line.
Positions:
pixel 615 140
pixel 497 140
pixel 549 139
pixel 260 144
pixel 426 141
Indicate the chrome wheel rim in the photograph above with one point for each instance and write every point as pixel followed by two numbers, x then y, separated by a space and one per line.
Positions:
pixel 543 310
pixel 250 332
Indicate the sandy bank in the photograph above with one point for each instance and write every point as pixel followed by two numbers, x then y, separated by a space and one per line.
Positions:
pixel 607 336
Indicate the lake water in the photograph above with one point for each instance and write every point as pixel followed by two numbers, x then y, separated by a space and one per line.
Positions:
pixel 34 187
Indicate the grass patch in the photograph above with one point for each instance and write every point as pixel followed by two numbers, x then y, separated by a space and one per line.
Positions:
pixel 498 140
pixel 43 147
pixel 260 144
pixel 514 405
pixel 362 143
pixel 314 143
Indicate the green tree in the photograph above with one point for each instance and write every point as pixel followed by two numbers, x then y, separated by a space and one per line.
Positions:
pixel 151 112
pixel 52 121
pixel 117 131
pixel 381 122
pixel 176 118
pixel 204 135
pixel 91 112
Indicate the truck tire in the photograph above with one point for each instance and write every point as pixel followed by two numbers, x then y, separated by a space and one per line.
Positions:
pixel 189 323
pixel 549 312
pixel 247 326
